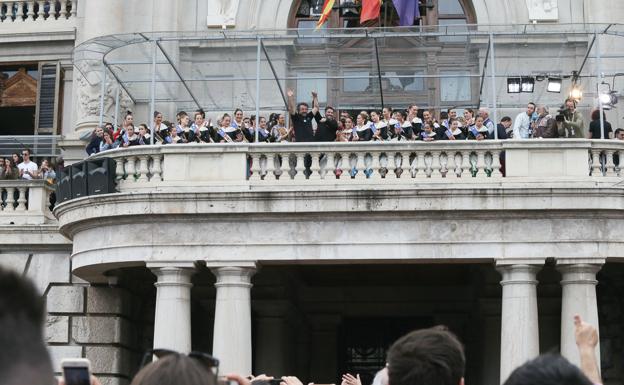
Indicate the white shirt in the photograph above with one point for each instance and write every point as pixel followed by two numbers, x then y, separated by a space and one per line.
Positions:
pixel 521 126
pixel 30 166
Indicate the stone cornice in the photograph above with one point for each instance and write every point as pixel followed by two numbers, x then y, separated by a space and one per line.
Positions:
pixel 483 203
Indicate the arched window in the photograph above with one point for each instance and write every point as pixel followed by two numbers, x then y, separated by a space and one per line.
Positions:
pixel 346 14
pixel 437 72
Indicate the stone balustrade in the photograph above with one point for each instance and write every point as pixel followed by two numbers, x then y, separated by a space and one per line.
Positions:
pixel 37 11
pixel 25 201
pixel 368 163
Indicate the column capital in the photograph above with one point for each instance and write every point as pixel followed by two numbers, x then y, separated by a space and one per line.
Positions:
pixel 239 276
pixel 169 274
pixel 578 261
pixel 581 273
pixel 518 274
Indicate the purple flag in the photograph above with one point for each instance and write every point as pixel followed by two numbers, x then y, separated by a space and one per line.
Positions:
pixel 407 11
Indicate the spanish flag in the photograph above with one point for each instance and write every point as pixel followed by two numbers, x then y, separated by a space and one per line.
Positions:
pixel 370 10
pixel 327 8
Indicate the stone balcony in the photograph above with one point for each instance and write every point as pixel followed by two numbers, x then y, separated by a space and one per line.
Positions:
pixel 26 20
pixel 26 222
pixel 405 202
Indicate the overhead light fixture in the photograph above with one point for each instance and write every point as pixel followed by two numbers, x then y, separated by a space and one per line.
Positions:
pixel 513 85
pixel 576 93
pixel 554 85
pixel 604 98
pixel 527 84
pixel 608 99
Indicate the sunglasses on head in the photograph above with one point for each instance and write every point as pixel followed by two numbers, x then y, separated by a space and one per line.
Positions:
pixel 206 359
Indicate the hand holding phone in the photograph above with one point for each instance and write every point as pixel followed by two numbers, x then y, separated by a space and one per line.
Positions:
pixel 76 371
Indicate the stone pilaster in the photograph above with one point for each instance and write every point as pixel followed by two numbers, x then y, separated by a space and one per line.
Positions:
pixel 232 326
pixel 578 296
pixel 519 318
pixel 172 321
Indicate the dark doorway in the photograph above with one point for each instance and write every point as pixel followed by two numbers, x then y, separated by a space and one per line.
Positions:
pixel 365 341
pixel 17 120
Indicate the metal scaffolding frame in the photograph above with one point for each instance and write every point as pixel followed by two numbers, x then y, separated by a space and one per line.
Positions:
pixel 94 52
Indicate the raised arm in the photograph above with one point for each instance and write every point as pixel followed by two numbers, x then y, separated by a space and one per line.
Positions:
pixel 586 339
pixel 291 102
pixel 315 103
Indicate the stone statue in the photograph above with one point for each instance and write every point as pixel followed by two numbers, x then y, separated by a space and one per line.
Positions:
pixel 222 13
pixel 543 10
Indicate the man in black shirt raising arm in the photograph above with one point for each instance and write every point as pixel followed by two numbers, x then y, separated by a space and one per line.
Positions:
pixel 326 126
pixel 302 117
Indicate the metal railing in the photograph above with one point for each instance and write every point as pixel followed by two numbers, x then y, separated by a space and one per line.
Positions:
pixel 41 146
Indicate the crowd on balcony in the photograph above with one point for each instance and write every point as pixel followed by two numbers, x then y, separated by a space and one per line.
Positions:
pixel 426 356
pixel 308 124
pixel 22 167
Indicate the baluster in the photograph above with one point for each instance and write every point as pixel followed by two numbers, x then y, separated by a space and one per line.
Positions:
pixel 270 167
pixel 436 164
pixel 278 166
pixel 3 202
pixel 21 199
pixel 616 168
pixel 330 167
pixel 63 11
pixel 345 166
pixel 74 7
pixel 496 165
pixel 421 167
pixel 30 14
pixel 315 167
pixel 255 167
pixel 131 169
pixel 300 167
pixel 156 168
pixel 376 165
pixel 596 171
pixel 19 14
pixel 466 165
pixel 10 199
pixel 481 164
pixel 451 165
pixel 143 169
pixel 119 169
pixel 406 165
pixel 360 165
pixel 609 166
pixel 46 204
pixel 397 161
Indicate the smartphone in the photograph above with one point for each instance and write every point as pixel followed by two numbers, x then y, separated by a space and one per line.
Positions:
pixel 223 381
pixel 76 371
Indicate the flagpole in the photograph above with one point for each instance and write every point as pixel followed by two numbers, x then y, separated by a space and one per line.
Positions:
pixel 379 74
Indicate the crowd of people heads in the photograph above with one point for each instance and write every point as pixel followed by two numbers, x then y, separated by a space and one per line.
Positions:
pixel 21 166
pixel 422 357
pixel 306 123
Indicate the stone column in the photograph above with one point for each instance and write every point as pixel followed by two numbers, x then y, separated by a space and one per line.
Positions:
pixel 519 320
pixel 232 327
pixel 172 323
pixel 578 296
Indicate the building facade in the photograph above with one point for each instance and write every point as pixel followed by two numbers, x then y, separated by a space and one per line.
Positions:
pixel 314 276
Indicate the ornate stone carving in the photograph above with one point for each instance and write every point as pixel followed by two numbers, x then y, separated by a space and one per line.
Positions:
pixel 89 97
pixel 222 13
pixel 543 10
